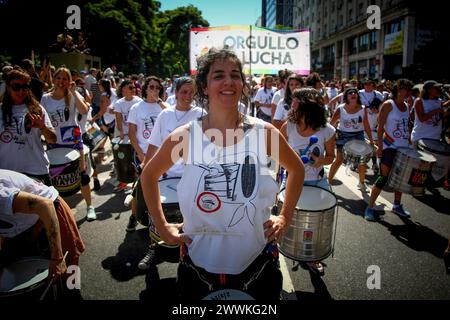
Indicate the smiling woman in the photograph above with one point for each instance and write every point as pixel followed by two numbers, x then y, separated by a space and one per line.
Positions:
pixel 228 235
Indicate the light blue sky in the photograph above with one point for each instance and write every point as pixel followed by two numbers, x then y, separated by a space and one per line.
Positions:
pixel 221 12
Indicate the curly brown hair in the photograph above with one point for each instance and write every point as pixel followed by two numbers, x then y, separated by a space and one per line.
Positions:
pixel 311 108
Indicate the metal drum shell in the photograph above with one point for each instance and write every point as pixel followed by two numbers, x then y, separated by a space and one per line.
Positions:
pixel 441 151
pixel 352 157
pixel 403 168
pixel 68 182
pixel 123 160
pixel 310 234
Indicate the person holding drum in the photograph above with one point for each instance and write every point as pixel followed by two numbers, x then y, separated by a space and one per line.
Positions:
pixel 30 209
pixel 62 105
pixel 309 134
pixel 429 113
pixel 22 123
pixel 352 124
pixel 168 120
pixel 393 133
pixel 228 235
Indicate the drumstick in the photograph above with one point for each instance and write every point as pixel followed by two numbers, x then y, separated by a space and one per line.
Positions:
pixel 51 281
pixel 312 140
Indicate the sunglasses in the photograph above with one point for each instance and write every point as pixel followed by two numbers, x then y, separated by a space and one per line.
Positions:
pixel 352 92
pixel 17 87
pixel 152 87
pixel 131 87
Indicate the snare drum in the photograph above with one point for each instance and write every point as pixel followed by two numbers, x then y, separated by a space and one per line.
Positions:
pixel 310 235
pixel 441 151
pixel 123 160
pixel 357 151
pixel 24 278
pixel 95 135
pixel 171 208
pixel 65 170
pixel 410 171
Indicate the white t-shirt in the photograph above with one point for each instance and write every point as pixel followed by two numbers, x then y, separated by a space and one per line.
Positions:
pixel 11 183
pixel 63 118
pixel 242 108
pixel 144 115
pixel 351 122
pixel 278 96
pixel 431 128
pixel 167 121
pixel 265 97
pixel 281 114
pixel 172 100
pixel 367 97
pixel 108 74
pixel 332 92
pixel 21 151
pixel 300 143
pixel 123 106
pixel 109 116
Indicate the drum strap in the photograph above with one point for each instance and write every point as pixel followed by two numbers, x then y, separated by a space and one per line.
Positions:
pixel 240 281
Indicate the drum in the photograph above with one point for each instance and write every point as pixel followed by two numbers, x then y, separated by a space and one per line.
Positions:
pixel 169 202
pixel 310 235
pixel 26 278
pixel 357 152
pixel 410 171
pixel 87 161
pixel 95 135
pixel 441 151
pixel 65 170
pixel 228 294
pixel 123 160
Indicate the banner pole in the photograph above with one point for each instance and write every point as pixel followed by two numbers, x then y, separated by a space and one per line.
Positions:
pixel 250 105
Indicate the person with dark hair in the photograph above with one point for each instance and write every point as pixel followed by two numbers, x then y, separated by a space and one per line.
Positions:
pixel 37 86
pixel 306 119
pixel 168 120
pixel 280 94
pixel 62 104
pixel 105 118
pixel 22 123
pixel 284 105
pixel 352 124
pixel 263 100
pixel 393 133
pixel 228 238
pixel 127 98
pixel 369 96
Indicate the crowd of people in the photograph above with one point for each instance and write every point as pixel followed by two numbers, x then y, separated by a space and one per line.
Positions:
pixel 169 123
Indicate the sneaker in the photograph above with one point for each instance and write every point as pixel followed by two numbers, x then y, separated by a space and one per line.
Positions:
pixel 91 215
pixel 121 186
pixel 150 259
pixel 316 267
pixel 362 186
pixel 369 214
pixel 96 185
pixel 132 223
pixel 398 210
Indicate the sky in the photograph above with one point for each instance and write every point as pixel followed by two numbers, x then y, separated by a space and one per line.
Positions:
pixel 221 12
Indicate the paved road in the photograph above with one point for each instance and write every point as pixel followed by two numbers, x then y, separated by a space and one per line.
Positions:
pixel 408 252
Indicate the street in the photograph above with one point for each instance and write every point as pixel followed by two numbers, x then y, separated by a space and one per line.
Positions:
pixel 408 252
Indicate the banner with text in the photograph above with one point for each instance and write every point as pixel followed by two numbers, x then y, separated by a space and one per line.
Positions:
pixel 262 51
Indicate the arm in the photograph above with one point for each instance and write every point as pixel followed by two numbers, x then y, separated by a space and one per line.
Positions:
pixel 132 129
pixel 29 203
pixel 105 102
pixel 281 151
pixel 38 121
pixel 79 101
pixel 418 106
pixel 119 123
pixel 336 117
pixel 151 151
pixel 170 151
pixel 382 117
pixel 329 156
pixel 367 126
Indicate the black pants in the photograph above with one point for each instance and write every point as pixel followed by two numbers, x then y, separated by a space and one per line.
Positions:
pixel 262 279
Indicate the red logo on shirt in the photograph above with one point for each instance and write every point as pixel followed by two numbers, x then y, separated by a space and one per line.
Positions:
pixel 208 202
pixel 146 134
pixel 6 136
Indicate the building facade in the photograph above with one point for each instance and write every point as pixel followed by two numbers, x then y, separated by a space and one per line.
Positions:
pixel 277 12
pixel 412 39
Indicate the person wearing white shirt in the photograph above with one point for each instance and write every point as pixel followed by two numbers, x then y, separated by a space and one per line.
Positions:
pixel 263 100
pixel 123 106
pixel 284 105
pixel 369 94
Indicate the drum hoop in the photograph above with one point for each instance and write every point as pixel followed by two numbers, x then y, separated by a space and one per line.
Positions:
pixel 297 208
pixel 426 148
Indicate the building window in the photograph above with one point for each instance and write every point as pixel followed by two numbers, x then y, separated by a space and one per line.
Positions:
pixel 372 68
pixel 373 40
pixel 353 45
pixel 363 71
pixel 364 42
pixel 396 26
pixel 352 70
pixel 328 55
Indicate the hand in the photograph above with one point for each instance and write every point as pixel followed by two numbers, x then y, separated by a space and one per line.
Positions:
pixel 318 161
pixel 56 268
pixel 72 87
pixel 171 234
pixel 37 121
pixel 275 228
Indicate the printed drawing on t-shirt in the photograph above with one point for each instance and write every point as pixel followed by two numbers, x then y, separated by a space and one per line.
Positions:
pixel 402 129
pixel 15 132
pixel 149 124
pixel 231 187
pixel 353 123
